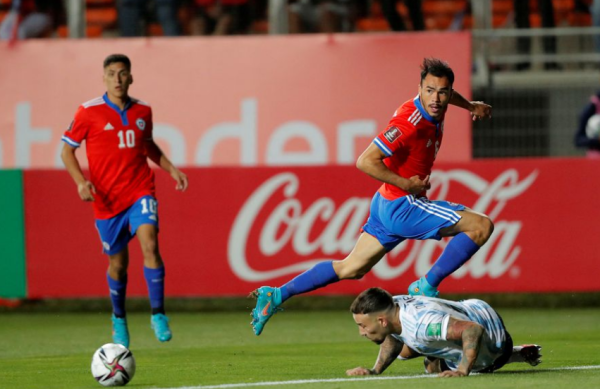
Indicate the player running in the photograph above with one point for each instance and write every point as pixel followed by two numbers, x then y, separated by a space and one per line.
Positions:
pixel 456 338
pixel 401 156
pixel 117 130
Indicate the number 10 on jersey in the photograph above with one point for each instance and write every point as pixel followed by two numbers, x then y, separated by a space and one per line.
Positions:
pixel 126 140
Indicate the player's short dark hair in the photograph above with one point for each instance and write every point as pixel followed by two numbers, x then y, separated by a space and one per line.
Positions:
pixel 372 300
pixel 438 68
pixel 114 58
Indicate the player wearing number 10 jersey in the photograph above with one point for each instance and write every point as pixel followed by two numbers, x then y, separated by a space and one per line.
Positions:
pixel 117 131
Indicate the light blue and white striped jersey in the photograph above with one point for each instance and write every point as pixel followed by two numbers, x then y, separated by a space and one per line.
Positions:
pixel 425 323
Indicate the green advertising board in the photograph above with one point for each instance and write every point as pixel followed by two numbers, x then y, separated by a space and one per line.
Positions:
pixel 12 235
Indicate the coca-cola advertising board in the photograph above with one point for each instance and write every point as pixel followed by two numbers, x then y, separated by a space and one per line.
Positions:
pixel 239 228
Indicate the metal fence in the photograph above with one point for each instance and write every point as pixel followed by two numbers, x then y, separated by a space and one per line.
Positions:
pixel 536 111
pixel 529 122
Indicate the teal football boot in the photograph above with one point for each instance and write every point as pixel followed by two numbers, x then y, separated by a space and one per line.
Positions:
pixel 422 288
pixel 160 324
pixel 120 333
pixel 268 300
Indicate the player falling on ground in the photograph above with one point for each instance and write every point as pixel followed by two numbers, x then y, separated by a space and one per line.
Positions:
pixel 401 156
pixel 456 338
pixel 117 130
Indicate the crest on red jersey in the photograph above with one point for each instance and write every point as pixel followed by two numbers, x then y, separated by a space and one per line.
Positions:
pixel 392 133
pixel 141 124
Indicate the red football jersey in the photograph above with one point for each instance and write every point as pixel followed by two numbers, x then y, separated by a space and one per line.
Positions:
pixel 115 143
pixel 410 142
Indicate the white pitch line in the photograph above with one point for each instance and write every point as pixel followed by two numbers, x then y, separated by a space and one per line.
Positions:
pixel 318 381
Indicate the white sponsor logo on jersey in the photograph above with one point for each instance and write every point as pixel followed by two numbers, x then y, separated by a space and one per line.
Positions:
pixel 109 126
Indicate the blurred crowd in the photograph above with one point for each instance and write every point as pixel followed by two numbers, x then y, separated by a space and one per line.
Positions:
pixel 127 18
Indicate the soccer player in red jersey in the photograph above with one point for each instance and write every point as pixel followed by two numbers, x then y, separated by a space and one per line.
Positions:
pixel 117 130
pixel 401 157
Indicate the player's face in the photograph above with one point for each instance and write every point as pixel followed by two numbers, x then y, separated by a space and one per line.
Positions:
pixel 370 327
pixel 117 79
pixel 435 93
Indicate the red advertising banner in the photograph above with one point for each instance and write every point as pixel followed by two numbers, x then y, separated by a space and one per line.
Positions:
pixel 239 228
pixel 232 101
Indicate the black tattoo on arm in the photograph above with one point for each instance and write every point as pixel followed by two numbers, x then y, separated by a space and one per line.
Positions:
pixel 388 352
pixel 470 334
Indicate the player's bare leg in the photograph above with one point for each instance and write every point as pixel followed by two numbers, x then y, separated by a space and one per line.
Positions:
pixel 147 234
pixel 118 265
pixel 366 253
pixel 117 281
pixel 475 225
pixel 154 274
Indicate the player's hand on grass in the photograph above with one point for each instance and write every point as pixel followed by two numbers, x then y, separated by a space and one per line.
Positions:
pixel 416 185
pixel 360 371
pixel 450 373
pixel 480 110
pixel 181 179
pixel 86 191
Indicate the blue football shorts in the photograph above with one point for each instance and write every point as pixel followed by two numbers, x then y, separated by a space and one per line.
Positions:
pixel 116 232
pixel 409 217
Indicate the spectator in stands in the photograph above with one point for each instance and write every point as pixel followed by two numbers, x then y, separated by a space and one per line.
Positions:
pixel 458 22
pixel 31 19
pixel 588 131
pixel 132 12
pixel 522 13
pixel 221 17
pixel 326 16
pixel 415 11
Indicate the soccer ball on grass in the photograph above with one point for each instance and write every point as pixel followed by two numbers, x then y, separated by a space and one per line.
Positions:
pixel 113 365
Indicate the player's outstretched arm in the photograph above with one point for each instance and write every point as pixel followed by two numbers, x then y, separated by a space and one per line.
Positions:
pixel 158 157
pixel 388 352
pixel 470 334
pixel 85 188
pixel 478 109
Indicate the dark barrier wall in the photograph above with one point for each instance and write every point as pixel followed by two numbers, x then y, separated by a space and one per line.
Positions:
pixel 240 228
pixel 12 241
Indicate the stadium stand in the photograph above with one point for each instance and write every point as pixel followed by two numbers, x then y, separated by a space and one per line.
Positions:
pixel 102 16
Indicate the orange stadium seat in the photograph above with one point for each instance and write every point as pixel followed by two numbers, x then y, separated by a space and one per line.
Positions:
pixel 154 29
pixel 439 14
pixel 106 17
pixel 90 31
pixel 374 20
pixel 450 7
pixel 100 15
pixel 501 10
pixel 4 8
pixel 260 26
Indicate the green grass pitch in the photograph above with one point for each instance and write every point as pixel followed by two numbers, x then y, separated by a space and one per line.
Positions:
pixel 54 350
